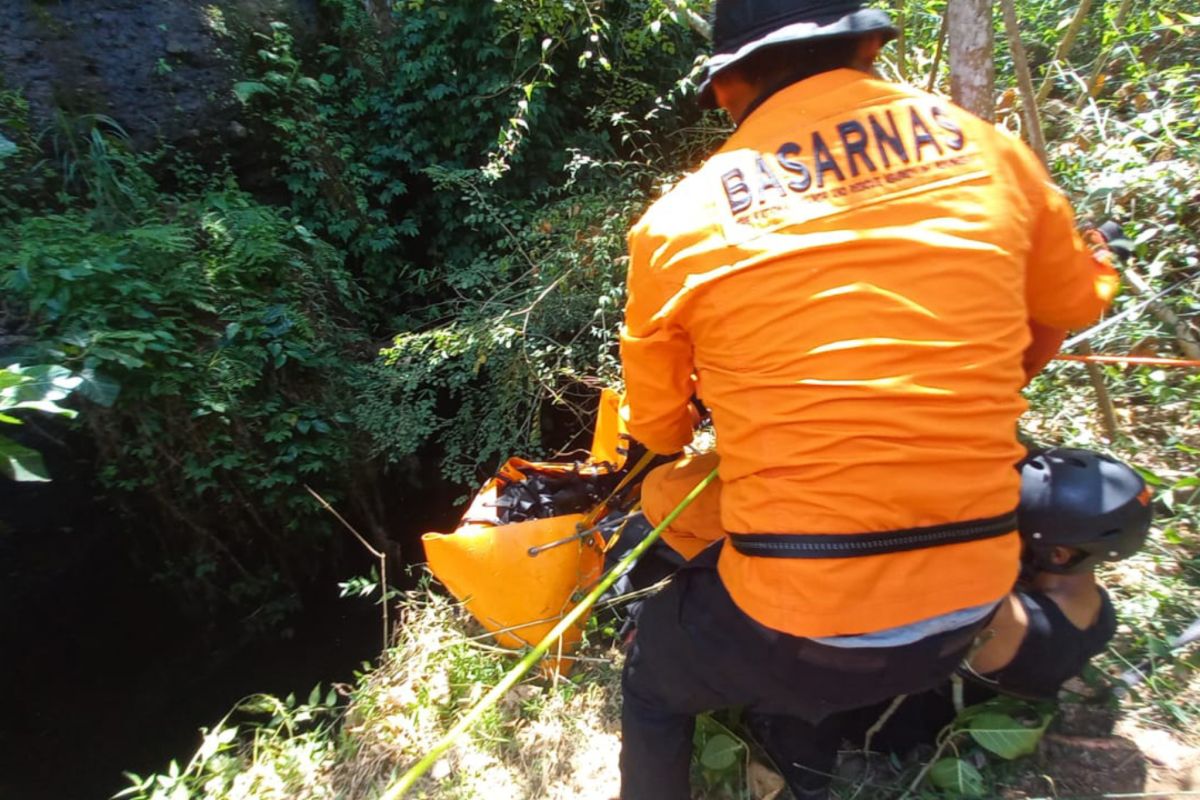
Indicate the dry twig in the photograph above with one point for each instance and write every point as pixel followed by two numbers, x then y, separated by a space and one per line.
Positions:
pixel 383 583
pixel 1064 46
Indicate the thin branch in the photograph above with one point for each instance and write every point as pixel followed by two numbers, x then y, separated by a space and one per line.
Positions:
pixel 1113 320
pixel 1064 47
pixel 937 53
pixel 629 597
pixel 325 505
pixel 697 23
pixel 383 582
pixel 883 720
pixel 912 787
pixel 1181 329
pixel 1033 123
pixel 510 628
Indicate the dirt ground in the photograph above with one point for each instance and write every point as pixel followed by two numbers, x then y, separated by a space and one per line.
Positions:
pixel 1091 752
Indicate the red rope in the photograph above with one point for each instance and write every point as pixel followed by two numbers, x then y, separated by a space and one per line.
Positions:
pixel 1139 360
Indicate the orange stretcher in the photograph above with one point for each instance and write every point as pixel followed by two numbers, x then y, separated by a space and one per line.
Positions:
pixel 519 578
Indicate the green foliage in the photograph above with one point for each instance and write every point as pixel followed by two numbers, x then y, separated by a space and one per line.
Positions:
pixel 279 748
pixel 368 585
pixel 438 666
pixel 222 322
pixel 35 388
pixel 1001 734
pixel 24 172
pixel 469 155
pixel 721 752
pixel 1158 588
pixel 449 86
pixel 470 163
pixel 720 758
pixel 959 777
pixel 1003 727
pixel 550 294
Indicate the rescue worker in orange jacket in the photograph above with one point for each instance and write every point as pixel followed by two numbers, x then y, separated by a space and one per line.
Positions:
pixel 1078 508
pixel 850 285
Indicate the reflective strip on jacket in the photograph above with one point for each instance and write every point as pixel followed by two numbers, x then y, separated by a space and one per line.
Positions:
pixel 852 278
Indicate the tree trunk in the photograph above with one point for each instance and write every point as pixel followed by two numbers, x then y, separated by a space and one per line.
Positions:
pixel 899 20
pixel 972 69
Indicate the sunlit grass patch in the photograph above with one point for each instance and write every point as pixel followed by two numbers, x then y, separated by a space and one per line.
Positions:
pixel 548 738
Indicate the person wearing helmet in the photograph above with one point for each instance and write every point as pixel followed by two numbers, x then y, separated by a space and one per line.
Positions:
pixel 1078 509
pixel 849 285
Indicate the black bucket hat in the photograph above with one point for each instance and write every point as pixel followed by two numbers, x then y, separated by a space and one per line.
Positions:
pixel 742 27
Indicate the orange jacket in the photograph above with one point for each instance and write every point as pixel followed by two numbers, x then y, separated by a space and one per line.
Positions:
pixel 852 278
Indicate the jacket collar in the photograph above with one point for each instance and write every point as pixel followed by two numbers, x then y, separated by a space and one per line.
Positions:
pixel 802 93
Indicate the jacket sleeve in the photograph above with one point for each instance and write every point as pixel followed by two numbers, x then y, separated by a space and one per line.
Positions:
pixel 1067 285
pixel 1045 342
pixel 656 355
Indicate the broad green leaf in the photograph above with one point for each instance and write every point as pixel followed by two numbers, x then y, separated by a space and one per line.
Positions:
pixel 45 406
pixel 720 752
pixel 247 89
pixel 7 147
pixel 1003 735
pixel 20 463
pixel 956 775
pixel 11 376
pixel 98 387
pixel 38 382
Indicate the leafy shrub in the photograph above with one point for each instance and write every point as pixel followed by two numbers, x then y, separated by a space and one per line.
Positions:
pixel 224 324
pixel 479 384
pixel 24 172
pixel 472 157
pixel 37 388
pixel 504 90
pixel 469 160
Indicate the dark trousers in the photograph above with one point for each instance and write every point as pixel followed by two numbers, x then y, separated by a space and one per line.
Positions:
pixel 695 651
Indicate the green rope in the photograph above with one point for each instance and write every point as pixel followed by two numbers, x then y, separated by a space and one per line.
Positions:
pixel 406 781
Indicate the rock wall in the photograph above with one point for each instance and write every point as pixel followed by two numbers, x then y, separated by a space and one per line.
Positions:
pixel 162 69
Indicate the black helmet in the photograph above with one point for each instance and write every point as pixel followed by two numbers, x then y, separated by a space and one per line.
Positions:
pixel 741 27
pixel 1083 500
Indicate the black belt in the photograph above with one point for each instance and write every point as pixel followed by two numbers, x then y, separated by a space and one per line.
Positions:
pixel 846 545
